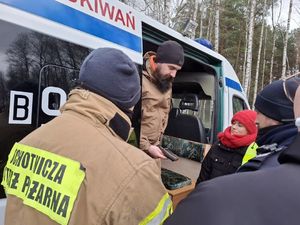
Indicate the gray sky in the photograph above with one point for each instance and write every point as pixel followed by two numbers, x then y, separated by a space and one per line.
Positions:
pixel 295 18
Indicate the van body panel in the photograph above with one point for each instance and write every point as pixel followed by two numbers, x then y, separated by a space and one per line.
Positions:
pixel 61 21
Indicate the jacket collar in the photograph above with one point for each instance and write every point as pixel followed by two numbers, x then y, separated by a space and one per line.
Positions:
pixel 239 150
pixel 282 134
pixel 98 110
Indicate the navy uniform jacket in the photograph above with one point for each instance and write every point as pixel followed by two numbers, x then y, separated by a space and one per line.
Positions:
pixel 263 197
pixel 281 135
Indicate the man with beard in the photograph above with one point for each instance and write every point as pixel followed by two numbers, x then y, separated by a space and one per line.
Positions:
pixel 158 74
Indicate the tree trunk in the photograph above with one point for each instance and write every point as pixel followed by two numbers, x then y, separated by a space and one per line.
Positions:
pixel 201 19
pixel 166 12
pixel 264 61
pixel 195 13
pixel 273 44
pixel 272 55
pixel 208 33
pixel 217 24
pixel 284 57
pixel 259 54
pixel 245 54
pixel 297 60
pixel 236 65
pixel 250 43
pixel 246 45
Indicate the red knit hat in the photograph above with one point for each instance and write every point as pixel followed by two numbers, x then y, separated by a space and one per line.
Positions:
pixel 247 118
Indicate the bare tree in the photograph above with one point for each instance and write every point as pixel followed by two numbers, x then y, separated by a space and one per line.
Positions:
pixel 18 57
pixel 195 14
pixel 272 55
pixel 166 12
pixel 217 24
pixel 210 21
pixel 246 44
pixel 284 57
pixel 264 61
pixel 274 26
pixel 297 60
pixel 259 53
pixel 250 43
pixel 201 11
pixel 32 51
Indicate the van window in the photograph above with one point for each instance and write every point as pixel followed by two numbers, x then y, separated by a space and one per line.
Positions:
pixel 238 104
pixel 30 63
pixel 203 112
pixel 193 95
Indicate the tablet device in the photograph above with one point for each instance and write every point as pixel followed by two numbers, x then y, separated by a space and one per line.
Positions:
pixel 173 180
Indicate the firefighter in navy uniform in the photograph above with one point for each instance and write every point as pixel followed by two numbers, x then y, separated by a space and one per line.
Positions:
pixel 78 168
pixel 275 121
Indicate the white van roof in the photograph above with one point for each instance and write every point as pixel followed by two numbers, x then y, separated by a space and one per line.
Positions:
pixel 120 26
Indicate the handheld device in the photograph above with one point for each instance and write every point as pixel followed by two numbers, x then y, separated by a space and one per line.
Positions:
pixel 170 155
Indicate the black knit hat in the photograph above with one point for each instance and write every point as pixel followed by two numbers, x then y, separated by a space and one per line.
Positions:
pixel 170 52
pixel 111 74
pixel 273 102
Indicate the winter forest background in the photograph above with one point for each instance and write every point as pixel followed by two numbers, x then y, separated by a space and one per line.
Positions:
pixel 251 34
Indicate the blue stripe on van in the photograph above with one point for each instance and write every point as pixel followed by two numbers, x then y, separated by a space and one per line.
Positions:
pixel 233 84
pixel 65 15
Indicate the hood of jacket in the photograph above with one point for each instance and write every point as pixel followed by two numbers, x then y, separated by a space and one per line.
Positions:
pixel 148 73
pixel 97 109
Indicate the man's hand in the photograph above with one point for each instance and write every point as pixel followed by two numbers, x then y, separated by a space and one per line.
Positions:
pixel 155 152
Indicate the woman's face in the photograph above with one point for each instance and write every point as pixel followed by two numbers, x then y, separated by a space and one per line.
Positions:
pixel 238 129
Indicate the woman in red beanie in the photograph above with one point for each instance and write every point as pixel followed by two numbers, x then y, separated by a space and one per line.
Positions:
pixel 226 155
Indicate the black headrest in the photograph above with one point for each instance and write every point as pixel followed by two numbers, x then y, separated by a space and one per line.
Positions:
pixel 189 101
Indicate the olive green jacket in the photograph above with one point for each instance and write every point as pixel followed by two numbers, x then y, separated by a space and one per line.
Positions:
pixel 155 109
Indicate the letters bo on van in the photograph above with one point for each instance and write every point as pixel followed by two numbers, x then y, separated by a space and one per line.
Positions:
pixel 43 180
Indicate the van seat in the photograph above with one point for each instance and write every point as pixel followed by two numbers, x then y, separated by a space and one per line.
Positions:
pixel 186 126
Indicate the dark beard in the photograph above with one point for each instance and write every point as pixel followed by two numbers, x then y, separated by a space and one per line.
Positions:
pixel 163 84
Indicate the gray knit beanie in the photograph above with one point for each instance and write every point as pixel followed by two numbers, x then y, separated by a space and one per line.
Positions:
pixel 111 74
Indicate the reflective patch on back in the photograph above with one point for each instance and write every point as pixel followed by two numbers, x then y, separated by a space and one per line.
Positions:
pixel 44 181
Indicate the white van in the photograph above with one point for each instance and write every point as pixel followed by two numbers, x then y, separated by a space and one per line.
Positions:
pixel 43 44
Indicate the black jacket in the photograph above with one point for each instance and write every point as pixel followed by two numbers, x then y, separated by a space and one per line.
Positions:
pixel 264 197
pixel 220 160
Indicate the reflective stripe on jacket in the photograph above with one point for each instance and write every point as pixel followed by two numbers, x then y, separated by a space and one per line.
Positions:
pixel 160 213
